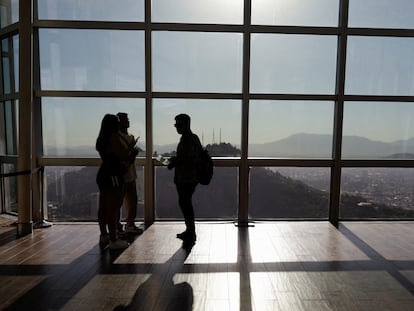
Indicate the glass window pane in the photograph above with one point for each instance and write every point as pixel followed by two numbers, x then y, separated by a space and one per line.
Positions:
pixel 16 61
pixel 71 125
pixel 293 64
pixel 378 130
pixel 73 195
pixel 216 122
pixel 218 200
pixel 197 62
pixel 289 192
pixel 381 13
pixel 2 129
pixel 12 126
pixel 9 12
pixel 10 189
pixel 93 10
pixel 377 193
pixel 10 64
pixel 295 12
pixel 198 11
pixel 296 129
pixel 380 66
pixel 95 60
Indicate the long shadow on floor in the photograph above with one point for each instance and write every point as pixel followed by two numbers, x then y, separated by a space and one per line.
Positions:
pixel 160 292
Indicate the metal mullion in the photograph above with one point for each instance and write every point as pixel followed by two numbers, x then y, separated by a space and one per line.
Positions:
pixel 95 25
pixel 39 204
pixel 197 95
pixel 293 97
pixel 379 98
pixel 61 93
pixel 9 30
pixel 197 27
pixel 266 162
pixel 243 211
pixel 335 182
pixel 380 32
pixel 149 169
pixel 298 30
pixel 378 163
pixel 11 96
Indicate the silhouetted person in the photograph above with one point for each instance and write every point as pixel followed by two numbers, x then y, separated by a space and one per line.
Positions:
pixel 110 180
pixel 186 164
pixel 130 199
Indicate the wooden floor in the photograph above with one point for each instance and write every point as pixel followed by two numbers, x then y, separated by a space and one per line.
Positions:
pixel 271 266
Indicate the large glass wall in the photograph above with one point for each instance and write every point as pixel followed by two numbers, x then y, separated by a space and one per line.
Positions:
pixel 9 86
pixel 293 98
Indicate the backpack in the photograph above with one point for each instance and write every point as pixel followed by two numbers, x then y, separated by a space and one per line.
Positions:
pixel 206 168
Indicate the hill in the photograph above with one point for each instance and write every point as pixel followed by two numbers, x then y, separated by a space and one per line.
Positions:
pixel 73 195
pixel 320 146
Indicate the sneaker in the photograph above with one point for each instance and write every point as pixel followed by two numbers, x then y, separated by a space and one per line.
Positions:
pixel 182 235
pixel 187 236
pixel 122 234
pixel 133 229
pixel 118 244
pixel 103 240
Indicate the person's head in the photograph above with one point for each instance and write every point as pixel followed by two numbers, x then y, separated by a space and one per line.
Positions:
pixel 182 123
pixel 109 126
pixel 124 120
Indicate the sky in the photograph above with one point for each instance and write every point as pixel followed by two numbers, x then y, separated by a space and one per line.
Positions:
pixel 109 60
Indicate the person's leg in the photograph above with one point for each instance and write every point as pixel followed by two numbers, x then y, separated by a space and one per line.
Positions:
pixel 113 204
pixel 185 193
pixel 104 237
pixel 130 203
pixel 102 213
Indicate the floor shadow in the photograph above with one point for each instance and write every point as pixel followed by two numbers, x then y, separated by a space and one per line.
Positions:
pixel 244 262
pixel 63 281
pixel 160 292
pixel 8 236
pixel 392 267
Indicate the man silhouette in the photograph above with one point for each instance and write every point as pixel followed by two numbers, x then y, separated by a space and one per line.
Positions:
pixel 186 164
pixel 130 199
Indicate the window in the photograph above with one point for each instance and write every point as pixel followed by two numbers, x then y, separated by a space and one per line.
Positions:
pixel 302 64
pixel 290 129
pixel 197 62
pixel 377 193
pixel 381 14
pixel 380 66
pixel 217 200
pixel 277 192
pixel 9 10
pixel 10 64
pixel 271 96
pixel 92 10
pixel 94 60
pixel 73 195
pixel 71 125
pixel 215 121
pixel 378 130
pixel 198 11
pixel 295 12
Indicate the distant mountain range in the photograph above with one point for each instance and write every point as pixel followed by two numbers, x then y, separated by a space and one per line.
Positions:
pixel 319 145
pixel 297 146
